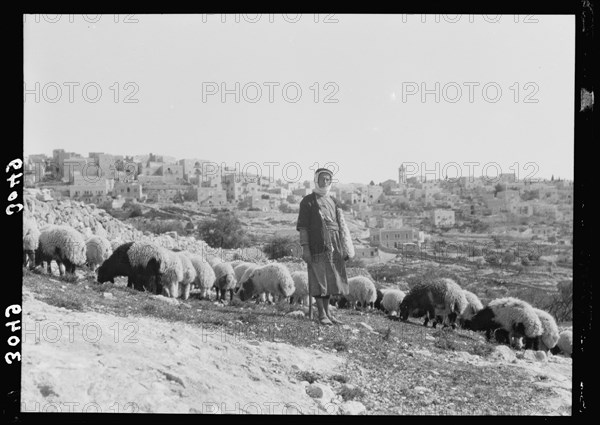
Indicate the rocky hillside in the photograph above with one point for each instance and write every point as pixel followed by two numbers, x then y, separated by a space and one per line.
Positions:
pixel 108 348
pixel 90 220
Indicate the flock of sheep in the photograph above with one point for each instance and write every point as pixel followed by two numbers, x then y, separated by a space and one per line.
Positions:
pixel 443 301
pixel 153 268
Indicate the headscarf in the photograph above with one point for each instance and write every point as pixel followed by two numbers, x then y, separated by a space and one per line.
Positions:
pixel 323 191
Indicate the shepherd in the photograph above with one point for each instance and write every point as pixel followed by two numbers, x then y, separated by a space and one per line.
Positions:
pixel 326 245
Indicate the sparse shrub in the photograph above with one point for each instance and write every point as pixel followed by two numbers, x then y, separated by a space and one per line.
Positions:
pixel 351 393
pixel 482 349
pixel 150 309
pixel 284 207
pixel 249 318
pixel 57 301
pixel 225 231
pixel 386 334
pixel 443 341
pixel 340 378
pixel 340 345
pixel 281 246
pixel 68 278
pixel 310 377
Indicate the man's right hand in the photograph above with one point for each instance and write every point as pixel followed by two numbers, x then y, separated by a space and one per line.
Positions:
pixel 306 254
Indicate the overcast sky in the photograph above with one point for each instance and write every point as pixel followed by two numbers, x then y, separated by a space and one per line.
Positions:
pixel 161 80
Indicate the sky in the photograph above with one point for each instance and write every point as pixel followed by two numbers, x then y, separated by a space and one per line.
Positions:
pixel 456 95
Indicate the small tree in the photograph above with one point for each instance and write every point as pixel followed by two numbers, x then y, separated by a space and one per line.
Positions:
pixel 281 246
pixel 225 231
pixel 285 208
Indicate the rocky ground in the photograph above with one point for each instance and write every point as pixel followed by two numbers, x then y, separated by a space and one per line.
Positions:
pixel 89 347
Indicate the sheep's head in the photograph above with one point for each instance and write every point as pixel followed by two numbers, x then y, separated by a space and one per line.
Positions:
pixel 246 290
pixel 403 311
pixel 483 320
pixel 104 275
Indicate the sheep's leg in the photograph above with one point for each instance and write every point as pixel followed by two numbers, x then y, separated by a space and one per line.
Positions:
pixel 230 295
pixel 186 291
pixel 488 334
pixel 25 258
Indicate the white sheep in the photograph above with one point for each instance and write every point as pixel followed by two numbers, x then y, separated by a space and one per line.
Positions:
pixel 213 260
pixel 189 274
pixel 224 280
pixel 440 299
pixel 391 300
pixel 31 240
pixel 97 251
pixel 239 269
pixel 62 244
pixel 300 294
pixel 550 335
pixel 361 289
pixel 171 272
pixel 564 344
pixel 474 305
pixel 263 296
pixel 511 318
pixel 273 278
pixel 205 275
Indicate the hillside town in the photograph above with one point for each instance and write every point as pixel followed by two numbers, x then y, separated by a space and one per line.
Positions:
pixel 401 215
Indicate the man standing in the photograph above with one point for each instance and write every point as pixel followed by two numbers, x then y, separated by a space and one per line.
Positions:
pixel 326 244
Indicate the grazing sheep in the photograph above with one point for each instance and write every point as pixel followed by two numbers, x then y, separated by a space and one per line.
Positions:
pixel 564 344
pixel 146 260
pixel 263 296
pixel 391 301
pixel 361 289
pixel 97 251
pixel 550 335
pixel 273 278
pixel 205 275
pixel 189 274
pixel 31 240
pixel 62 244
pixel 300 294
pixel 224 280
pixel 171 272
pixel 236 263
pixel 213 261
pixel 474 305
pixel 514 317
pixel 441 299
pixel 239 269
pixel 380 293
pixel 339 301
pixel 117 264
